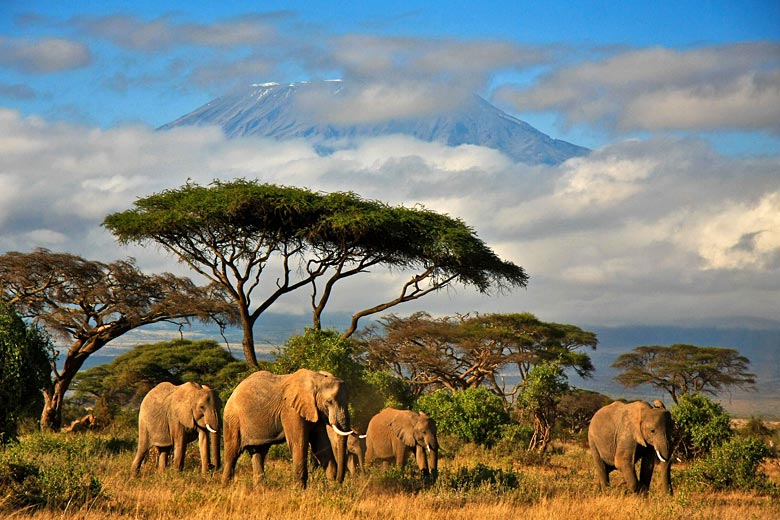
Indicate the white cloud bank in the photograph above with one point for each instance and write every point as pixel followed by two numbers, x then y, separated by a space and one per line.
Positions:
pixel 652 231
pixel 734 86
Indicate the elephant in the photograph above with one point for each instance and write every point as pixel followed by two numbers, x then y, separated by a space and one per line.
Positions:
pixel 393 434
pixel 267 409
pixel 621 434
pixel 323 454
pixel 171 417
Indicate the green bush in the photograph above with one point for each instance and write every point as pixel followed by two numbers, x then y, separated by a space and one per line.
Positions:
pixel 472 415
pixel 55 471
pixel 466 479
pixel 700 425
pixel 734 464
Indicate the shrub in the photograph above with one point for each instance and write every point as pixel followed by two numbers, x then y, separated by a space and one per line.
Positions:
pixel 734 464
pixel 472 415
pixel 46 469
pixel 700 425
pixel 465 479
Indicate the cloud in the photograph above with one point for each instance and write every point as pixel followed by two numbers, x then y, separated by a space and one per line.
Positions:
pixel 164 33
pixel 43 56
pixel 395 77
pixel 733 86
pixel 641 231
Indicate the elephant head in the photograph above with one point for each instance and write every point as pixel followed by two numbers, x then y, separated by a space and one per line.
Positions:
pixel 418 431
pixel 652 429
pixel 197 406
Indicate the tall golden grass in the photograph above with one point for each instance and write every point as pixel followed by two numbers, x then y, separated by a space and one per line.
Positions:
pixel 561 487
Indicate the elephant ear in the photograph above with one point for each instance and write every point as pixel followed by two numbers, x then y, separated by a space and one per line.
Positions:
pixel 403 428
pixel 299 394
pixel 634 418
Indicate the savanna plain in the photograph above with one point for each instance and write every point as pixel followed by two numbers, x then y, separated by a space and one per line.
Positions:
pixel 89 476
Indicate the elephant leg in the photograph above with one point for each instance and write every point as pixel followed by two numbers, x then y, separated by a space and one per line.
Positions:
pixel 162 459
pixel 258 463
pixel 602 471
pixel 628 471
pixel 204 448
pixel 140 455
pixel 646 473
pixel 232 451
pixel 352 465
pixel 179 448
pixel 300 465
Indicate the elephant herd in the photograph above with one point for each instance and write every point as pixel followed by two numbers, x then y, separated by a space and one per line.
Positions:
pixel 306 409
pixel 309 411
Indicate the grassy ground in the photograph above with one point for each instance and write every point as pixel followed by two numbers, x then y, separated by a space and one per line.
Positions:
pixel 560 487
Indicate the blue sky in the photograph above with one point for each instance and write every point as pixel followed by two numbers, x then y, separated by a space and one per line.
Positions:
pixel 675 215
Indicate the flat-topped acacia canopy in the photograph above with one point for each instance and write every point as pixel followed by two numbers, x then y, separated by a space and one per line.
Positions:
pixel 230 231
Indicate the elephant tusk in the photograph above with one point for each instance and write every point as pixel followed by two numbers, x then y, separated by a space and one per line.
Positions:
pixel 340 432
pixel 659 456
pixel 209 428
pixel 429 447
pixel 362 436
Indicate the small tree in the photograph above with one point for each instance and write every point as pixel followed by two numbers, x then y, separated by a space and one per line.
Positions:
pixel 24 370
pixel 538 401
pixel 576 409
pixel 472 415
pixel 701 424
pixel 684 369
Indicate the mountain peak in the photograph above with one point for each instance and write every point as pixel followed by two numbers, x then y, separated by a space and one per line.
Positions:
pixel 285 111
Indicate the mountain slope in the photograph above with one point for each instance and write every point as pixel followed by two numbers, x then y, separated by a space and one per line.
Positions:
pixel 273 110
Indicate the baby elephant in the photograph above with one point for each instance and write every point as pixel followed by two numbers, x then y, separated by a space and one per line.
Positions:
pixel 173 416
pixel 622 434
pixel 393 434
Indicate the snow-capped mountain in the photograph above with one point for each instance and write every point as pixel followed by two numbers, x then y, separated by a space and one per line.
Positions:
pixel 277 111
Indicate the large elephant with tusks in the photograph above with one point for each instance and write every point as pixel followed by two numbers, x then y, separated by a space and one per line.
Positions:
pixel 267 409
pixel 620 435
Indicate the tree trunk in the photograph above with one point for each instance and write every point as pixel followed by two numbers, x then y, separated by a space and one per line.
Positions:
pixel 54 398
pixel 248 343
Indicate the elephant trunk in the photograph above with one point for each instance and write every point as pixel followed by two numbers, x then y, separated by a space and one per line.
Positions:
pixel 341 458
pixel 214 449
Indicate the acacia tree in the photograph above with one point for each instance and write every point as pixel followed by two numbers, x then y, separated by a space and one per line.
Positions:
pixel 240 233
pixel 90 303
pixel 683 369
pixel 471 351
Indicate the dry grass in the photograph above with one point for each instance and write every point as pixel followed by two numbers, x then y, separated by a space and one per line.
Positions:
pixel 561 488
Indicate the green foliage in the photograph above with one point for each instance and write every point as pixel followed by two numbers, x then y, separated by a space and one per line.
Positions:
pixel 369 391
pixel 701 424
pixel 472 415
pixel 497 479
pixel 51 470
pixel 128 378
pixel 732 465
pixel 24 370
pixel 538 400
